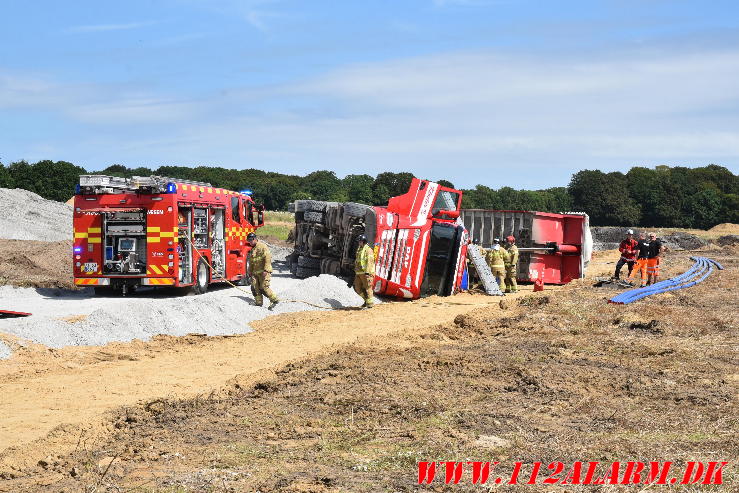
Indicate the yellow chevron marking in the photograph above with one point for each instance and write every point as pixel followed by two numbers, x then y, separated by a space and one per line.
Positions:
pixel 154 269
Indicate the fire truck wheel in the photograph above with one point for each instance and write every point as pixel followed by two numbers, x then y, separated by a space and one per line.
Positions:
pixel 314 217
pixel 202 279
pixel 355 210
pixel 303 272
pixel 309 262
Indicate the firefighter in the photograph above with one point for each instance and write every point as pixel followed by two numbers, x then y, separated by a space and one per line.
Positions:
pixel 259 269
pixel 642 248
pixel 364 272
pixel 628 249
pixel 655 249
pixel 496 259
pixel 511 266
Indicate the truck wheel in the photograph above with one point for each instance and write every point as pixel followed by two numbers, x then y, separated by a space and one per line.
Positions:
pixel 202 278
pixel 315 205
pixel 303 272
pixel 355 210
pixel 309 262
pixel 314 217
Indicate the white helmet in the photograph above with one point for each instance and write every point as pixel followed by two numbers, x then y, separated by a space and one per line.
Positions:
pixel 629 231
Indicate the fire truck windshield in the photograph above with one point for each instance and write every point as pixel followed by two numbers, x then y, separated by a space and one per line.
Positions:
pixel 441 260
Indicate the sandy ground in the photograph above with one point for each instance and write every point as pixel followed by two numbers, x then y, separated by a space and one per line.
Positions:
pixel 67 390
pixel 350 400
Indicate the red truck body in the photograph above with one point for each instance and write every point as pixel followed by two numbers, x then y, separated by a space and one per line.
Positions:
pixel 156 231
pixel 420 248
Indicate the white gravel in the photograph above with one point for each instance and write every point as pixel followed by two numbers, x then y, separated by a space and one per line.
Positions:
pixel 4 351
pixel 27 216
pixel 221 311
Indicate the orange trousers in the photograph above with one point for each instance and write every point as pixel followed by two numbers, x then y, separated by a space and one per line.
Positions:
pixel 653 266
pixel 642 269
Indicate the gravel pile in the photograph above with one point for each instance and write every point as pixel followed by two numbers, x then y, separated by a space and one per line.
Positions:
pixel 68 318
pixel 27 216
pixel 609 237
pixel 727 240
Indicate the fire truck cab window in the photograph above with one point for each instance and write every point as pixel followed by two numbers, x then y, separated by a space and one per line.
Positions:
pixel 249 213
pixel 235 209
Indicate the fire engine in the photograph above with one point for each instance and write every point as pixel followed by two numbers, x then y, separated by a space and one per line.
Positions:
pixel 420 244
pixel 158 231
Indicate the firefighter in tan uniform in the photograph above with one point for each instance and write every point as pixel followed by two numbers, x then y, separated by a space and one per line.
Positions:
pixel 497 258
pixel 259 269
pixel 511 266
pixel 364 272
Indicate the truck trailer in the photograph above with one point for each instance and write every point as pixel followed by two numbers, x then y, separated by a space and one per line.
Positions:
pixel 158 231
pixel 420 246
pixel 553 247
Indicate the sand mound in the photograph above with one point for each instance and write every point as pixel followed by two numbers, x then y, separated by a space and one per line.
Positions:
pixel 728 228
pixel 27 216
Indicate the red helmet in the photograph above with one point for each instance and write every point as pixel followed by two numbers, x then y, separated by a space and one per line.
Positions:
pixel 510 239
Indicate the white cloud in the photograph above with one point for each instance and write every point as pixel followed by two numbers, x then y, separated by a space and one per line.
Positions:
pixel 469 117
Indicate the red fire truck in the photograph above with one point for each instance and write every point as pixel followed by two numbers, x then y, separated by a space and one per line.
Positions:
pixel 157 231
pixel 420 245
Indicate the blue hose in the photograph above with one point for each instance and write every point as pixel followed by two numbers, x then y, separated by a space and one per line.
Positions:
pixel 701 269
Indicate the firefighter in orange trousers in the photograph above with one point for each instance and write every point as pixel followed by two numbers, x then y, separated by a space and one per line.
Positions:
pixel 655 249
pixel 364 272
pixel 259 270
pixel 642 248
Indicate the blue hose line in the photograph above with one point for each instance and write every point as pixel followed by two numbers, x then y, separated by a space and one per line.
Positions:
pixel 622 297
pixel 701 269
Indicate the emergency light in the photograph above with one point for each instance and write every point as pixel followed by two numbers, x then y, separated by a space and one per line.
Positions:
pixel 77 250
pixel 171 187
pixel 246 192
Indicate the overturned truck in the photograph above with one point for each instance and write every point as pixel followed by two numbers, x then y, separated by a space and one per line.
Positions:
pixel 420 245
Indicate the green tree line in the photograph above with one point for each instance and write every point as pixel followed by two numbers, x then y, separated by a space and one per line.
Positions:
pixel 660 197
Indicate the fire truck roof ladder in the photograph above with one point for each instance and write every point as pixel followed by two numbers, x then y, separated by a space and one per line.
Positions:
pixel 115 184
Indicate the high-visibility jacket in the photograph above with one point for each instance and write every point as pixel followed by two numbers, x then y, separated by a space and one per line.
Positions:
pixel 496 258
pixel 259 259
pixel 364 262
pixel 512 255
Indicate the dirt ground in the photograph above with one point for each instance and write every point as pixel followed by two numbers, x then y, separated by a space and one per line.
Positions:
pixel 351 400
pixel 39 264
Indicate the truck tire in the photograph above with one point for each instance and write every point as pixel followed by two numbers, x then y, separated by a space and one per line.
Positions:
pixel 202 278
pixel 309 262
pixel 303 272
pixel 314 217
pixel 315 205
pixel 355 210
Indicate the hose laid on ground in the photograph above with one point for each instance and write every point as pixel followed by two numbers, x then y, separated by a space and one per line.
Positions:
pixel 701 269
pixel 244 290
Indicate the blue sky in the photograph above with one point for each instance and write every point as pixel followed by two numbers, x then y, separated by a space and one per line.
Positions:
pixel 499 92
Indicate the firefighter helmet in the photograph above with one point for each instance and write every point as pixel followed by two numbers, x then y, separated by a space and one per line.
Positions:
pixel 510 239
pixel 251 237
pixel 362 238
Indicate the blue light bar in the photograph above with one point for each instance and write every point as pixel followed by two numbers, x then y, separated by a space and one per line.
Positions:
pixel 77 189
pixel 171 187
pixel 247 192
pixel 77 249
